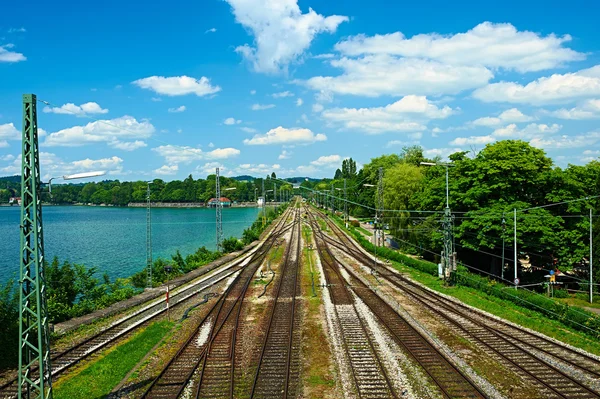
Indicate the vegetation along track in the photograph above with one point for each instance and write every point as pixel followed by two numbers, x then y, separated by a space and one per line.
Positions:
pixel 210 350
pixel 61 361
pixel 452 382
pixel 559 371
pixel 278 371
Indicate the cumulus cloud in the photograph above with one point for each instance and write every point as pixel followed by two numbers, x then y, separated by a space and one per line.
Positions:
pixel 489 44
pixel 52 165
pixel 406 114
pixel 175 154
pixel 231 121
pixel 591 139
pixel 529 131
pixel 317 107
pixel 89 108
pixel 284 155
pixel 261 107
pixel 178 85
pixel 166 170
pixel 178 109
pixel 257 169
pixel 589 109
pixel 281 135
pixel 7 55
pixel 557 88
pixel 283 94
pixel 382 74
pixel 473 140
pixel 8 131
pixel 113 132
pixel 249 129
pixel 443 153
pixel 327 160
pixel 282 33
pixel 508 116
pixel 299 102
pixel 82 110
pixel 128 145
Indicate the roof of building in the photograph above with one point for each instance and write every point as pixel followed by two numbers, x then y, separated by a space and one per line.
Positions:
pixel 223 199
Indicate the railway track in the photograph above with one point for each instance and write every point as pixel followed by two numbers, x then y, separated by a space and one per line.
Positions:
pixel 369 375
pixel 277 374
pixel 210 350
pixel 62 361
pixel 531 355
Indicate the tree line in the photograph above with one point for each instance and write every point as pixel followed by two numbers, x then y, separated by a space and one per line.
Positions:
pixel 484 189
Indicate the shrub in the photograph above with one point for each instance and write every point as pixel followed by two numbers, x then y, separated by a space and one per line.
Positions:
pixel 354 223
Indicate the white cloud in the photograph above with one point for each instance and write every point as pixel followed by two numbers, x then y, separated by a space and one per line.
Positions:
pixel 381 74
pixel 281 135
pixel 260 107
pixel 317 107
pixel 156 99
pixel 489 44
pixel 508 116
pixel 589 109
pixel 249 129
pixel 17 30
pixel 103 164
pixel 7 158
pixel 129 145
pixel 211 30
pixel 299 102
pixel 89 108
pixel 324 56
pixel 8 131
pixel 166 170
pixel 406 114
pixel 178 85
pixel 472 140
pixel 52 165
pixel 209 168
pixel 397 143
pixel 284 155
pixel 591 139
pixel 556 88
pixel 211 145
pixel 283 94
pixel 443 153
pixel 175 154
pixel 252 92
pixel 178 109
pixel 304 118
pixel 10 56
pixel 103 131
pixel 327 160
pixel 257 169
pixel 4 144
pixel 231 121
pixel 282 33
pixel 528 132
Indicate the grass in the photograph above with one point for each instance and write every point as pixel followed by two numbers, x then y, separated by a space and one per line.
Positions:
pixel 98 378
pixel 506 310
pixel 581 300
pixel 363 230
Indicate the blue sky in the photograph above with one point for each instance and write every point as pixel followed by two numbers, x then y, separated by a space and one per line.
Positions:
pixel 161 90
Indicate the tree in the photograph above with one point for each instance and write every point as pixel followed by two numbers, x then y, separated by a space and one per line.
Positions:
pixel 338 174
pixel 273 175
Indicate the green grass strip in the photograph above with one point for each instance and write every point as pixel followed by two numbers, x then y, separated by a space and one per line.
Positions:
pixel 367 232
pixel 98 378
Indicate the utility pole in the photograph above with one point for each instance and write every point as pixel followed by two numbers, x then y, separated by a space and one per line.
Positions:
pixel 219 207
pixel 264 218
pixel 34 333
pixel 380 205
pixel 148 238
pixel 503 239
pixel 515 246
pixel 332 200
pixel 345 204
pixel 591 262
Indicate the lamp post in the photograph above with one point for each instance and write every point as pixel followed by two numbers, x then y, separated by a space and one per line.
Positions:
pixel 83 175
pixel 448 266
pixel 168 269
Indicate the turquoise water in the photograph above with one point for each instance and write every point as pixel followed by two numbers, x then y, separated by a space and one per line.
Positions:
pixel 114 239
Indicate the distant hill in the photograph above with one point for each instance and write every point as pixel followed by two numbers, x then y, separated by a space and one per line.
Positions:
pixel 12 179
pixel 244 178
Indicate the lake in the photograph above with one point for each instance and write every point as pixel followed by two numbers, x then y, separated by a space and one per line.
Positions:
pixel 114 239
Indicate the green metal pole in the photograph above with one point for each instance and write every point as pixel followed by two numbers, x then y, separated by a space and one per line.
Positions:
pixel 34 334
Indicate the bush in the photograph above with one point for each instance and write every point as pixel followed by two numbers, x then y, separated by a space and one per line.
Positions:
pixel 355 223
pixel 561 294
pixel 232 244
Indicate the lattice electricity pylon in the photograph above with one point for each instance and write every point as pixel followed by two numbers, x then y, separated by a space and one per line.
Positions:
pixel 34 334
pixel 148 239
pixel 264 210
pixel 219 207
pixel 380 206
